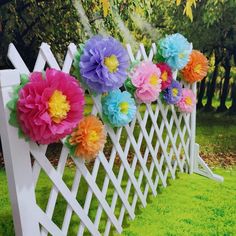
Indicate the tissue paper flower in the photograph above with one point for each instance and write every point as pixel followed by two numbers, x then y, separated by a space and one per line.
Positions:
pixel 88 138
pixel 50 106
pixel 166 75
pixel 196 69
pixel 146 78
pixel 174 50
pixel 173 93
pixel 103 64
pixel 187 102
pixel 118 108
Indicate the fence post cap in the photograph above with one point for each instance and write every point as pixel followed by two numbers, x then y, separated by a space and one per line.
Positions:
pixel 12 78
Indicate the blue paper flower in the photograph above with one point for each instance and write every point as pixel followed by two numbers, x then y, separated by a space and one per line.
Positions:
pixel 103 64
pixel 173 93
pixel 118 108
pixel 174 50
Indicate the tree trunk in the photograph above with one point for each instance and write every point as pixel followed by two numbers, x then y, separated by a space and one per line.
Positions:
pixel 232 109
pixel 211 88
pixel 201 94
pixel 225 90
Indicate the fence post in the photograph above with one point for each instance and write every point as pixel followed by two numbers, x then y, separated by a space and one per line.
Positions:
pixel 193 133
pixel 17 163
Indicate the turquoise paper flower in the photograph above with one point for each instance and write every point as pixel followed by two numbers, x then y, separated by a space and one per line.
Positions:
pixel 174 50
pixel 118 108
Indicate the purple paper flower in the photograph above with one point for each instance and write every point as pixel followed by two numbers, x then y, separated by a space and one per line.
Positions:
pixel 173 93
pixel 104 64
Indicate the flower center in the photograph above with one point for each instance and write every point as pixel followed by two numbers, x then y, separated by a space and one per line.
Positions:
pixel 164 76
pixel 181 55
pixel 153 80
pixel 93 136
pixel 124 107
pixel 198 68
pixel 58 106
pixel 188 101
pixel 175 92
pixel 111 63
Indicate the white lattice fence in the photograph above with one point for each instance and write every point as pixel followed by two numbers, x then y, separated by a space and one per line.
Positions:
pixel 136 161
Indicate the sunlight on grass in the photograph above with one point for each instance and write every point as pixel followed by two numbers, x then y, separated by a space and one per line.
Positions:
pixel 191 205
pixel 216 133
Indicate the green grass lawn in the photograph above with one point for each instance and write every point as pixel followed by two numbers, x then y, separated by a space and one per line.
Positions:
pixel 191 205
pixel 216 133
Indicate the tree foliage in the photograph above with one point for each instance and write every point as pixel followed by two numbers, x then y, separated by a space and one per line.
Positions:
pixel 28 23
pixel 210 25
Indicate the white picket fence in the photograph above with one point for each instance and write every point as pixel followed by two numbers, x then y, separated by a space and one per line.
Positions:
pixel 157 144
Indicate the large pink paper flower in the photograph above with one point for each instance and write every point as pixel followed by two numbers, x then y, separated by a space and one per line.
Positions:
pixel 166 75
pixel 187 101
pixel 49 108
pixel 146 78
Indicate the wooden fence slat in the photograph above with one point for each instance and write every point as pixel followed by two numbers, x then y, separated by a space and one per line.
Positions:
pixel 56 179
pixel 80 165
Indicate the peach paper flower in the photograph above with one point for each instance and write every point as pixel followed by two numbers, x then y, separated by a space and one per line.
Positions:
pixel 88 138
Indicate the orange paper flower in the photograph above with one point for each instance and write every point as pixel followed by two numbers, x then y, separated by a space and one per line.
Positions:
pixel 88 138
pixel 196 69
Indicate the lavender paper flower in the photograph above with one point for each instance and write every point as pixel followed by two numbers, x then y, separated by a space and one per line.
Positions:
pixel 103 64
pixel 173 93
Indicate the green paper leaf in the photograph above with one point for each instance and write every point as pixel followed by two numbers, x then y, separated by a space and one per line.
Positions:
pixel 161 97
pixel 69 146
pixel 133 65
pixel 24 79
pixel 159 58
pixel 13 119
pixel 106 120
pixel 11 105
pixel 130 87
pixel 22 135
pixel 78 55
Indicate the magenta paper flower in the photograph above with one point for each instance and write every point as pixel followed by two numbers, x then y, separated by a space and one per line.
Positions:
pixel 146 78
pixel 50 106
pixel 187 101
pixel 166 75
